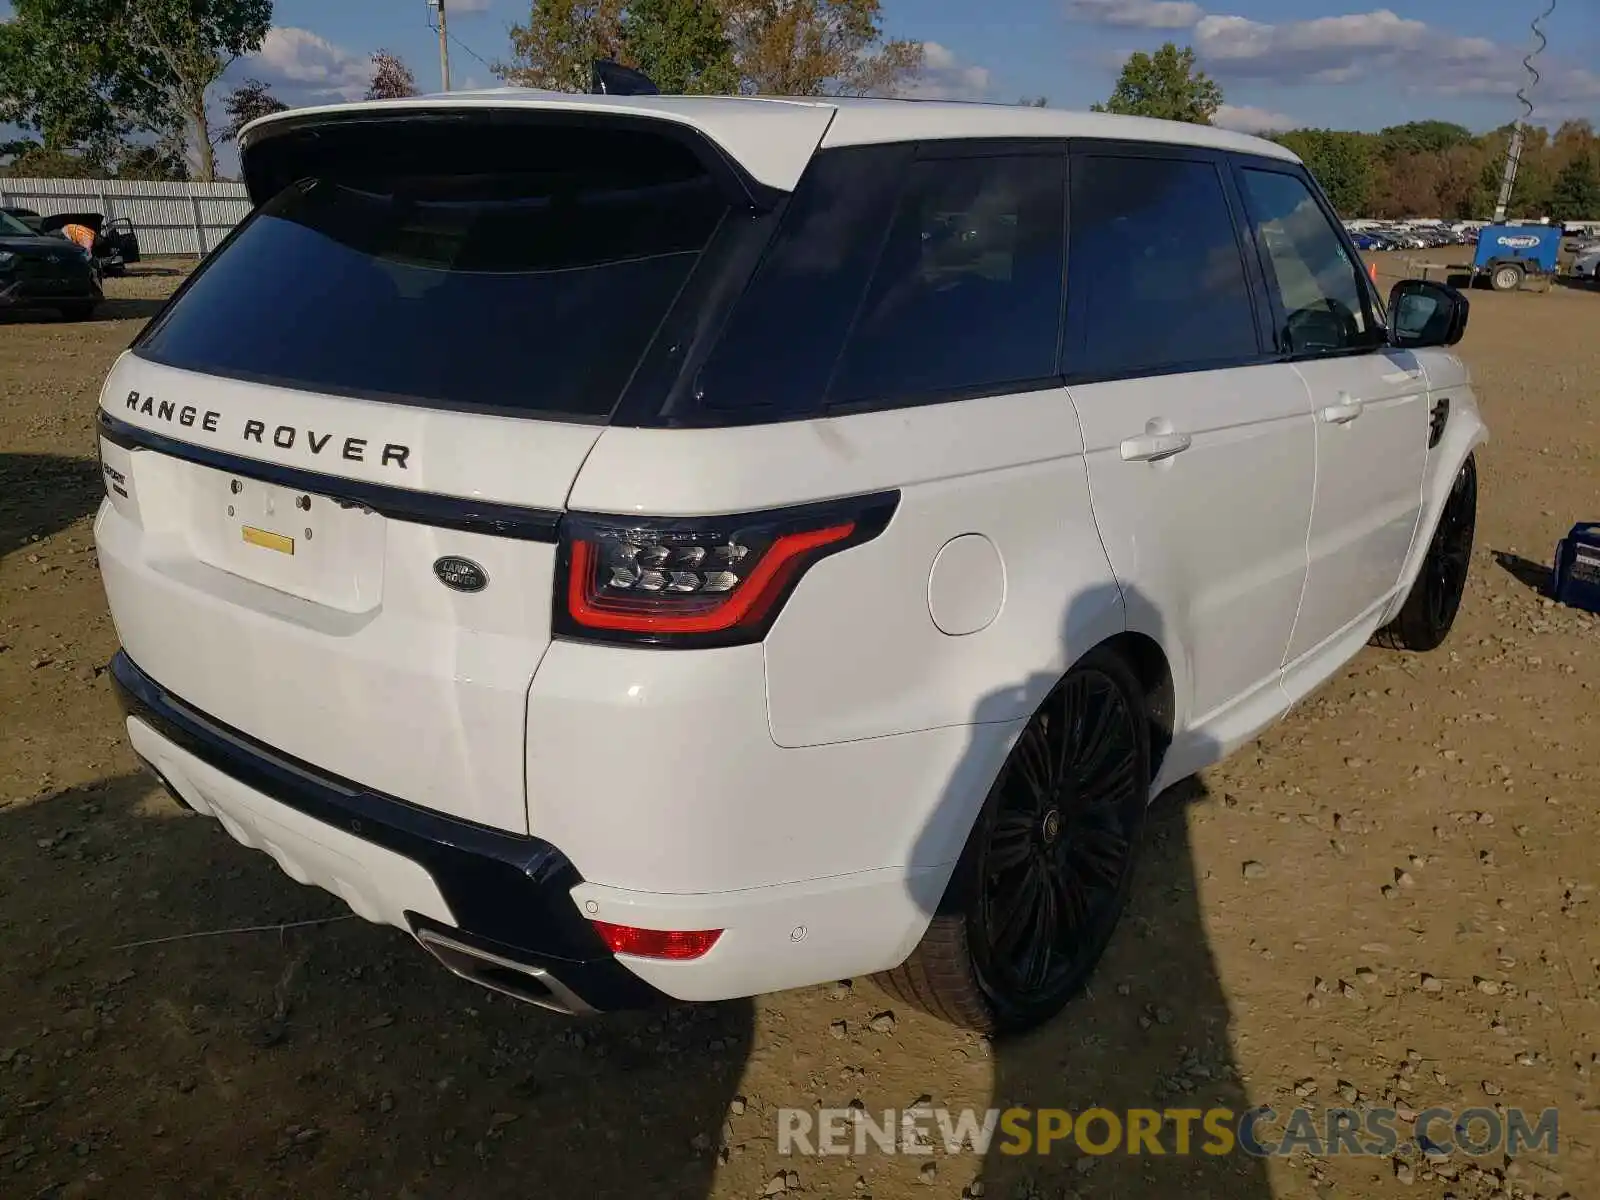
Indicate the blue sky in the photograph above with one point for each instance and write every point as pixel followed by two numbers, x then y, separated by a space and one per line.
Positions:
pixel 1349 64
pixel 1339 63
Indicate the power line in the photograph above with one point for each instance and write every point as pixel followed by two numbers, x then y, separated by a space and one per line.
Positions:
pixel 448 37
pixel 462 45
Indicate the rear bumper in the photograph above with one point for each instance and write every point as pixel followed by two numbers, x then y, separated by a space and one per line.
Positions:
pixel 493 906
pixel 509 911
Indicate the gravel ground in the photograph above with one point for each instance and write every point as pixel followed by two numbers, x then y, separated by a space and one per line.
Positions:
pixel 1387 901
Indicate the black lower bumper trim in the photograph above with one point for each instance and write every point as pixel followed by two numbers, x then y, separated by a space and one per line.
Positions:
pixel 506 891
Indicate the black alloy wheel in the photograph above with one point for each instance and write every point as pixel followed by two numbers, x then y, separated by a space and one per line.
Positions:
pixel 1431 607
pixel 1060 844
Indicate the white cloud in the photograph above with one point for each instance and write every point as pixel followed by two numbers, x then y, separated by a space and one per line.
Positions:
pixel 1352 47
pixel 1334 49
pixel 1137 14
pixel 945 77
pixel 467 8
pixel 1244 118
pixel 311 64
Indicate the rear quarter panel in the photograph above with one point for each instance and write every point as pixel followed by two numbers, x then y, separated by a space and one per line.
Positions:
pixel 856 652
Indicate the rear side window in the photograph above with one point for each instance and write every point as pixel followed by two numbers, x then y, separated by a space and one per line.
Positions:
pixel 893 280
pixel 1318 287
pixel 777 353
pixel 967 293
pixel 1155 269
pixel 523 278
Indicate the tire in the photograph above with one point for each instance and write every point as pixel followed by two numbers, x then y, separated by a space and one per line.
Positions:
pixel 1056 828
pixel 1425 620
pixel 80 311
pixel 1505 279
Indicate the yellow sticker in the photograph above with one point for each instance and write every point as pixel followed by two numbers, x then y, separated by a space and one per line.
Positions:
pixel 267 539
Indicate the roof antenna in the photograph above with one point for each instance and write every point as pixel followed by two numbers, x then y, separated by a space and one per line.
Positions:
pixel 607 77
pixel 1508 180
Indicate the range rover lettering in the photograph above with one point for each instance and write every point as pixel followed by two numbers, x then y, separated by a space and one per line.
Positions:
pixel 883 501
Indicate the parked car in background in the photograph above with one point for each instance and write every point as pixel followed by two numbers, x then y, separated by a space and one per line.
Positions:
pixel 41 270
pixel 26 215
pixel 800 552
pixel 1587 264
pixel 112 244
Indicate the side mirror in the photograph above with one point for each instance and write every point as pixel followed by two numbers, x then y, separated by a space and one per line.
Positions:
pixel 1423 313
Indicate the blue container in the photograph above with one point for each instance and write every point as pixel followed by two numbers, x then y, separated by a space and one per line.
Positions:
pixel 1576 579
pixel 1535 247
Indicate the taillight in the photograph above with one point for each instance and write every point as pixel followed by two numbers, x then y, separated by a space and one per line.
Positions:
pixel 677 944
pixel 698 581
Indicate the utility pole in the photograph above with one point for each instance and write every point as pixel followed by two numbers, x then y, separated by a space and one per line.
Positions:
pixel 444 44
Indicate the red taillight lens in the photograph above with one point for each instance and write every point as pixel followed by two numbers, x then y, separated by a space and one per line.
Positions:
pixel 716 581
pixel 657 943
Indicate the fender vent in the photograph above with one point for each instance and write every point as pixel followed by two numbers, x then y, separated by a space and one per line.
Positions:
pixel 1436 423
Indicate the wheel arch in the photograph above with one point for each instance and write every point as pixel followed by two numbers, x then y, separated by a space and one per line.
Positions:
pixel 1463 434
pixel 1149 663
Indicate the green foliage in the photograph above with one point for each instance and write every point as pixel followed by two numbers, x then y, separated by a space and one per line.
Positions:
pixel 1576 194
pixel 1437 169
pixel 86 74
pixel 771 47
pixel 1166 85
pixel 681 45
pixel 1341 162
pixel 1422 137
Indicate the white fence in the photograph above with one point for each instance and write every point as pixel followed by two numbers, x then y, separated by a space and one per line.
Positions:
pixel 170 218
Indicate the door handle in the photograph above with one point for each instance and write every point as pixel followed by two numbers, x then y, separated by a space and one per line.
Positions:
pixel 1342 413
pixel 1153 447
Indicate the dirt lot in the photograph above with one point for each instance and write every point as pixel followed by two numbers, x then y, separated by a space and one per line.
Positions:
pixel 1420 929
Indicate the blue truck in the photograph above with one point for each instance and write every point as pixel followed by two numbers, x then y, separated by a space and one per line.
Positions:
pixel 1507 254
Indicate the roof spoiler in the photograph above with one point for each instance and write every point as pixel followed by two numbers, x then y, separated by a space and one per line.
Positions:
pixel 607 77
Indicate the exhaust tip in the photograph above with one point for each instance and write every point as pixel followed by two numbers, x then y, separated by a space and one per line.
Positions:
pixel 527 982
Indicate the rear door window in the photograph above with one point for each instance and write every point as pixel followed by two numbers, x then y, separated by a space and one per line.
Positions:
pixel 967 293
pixel 894 280
pixel 512 281
pixel 1156 269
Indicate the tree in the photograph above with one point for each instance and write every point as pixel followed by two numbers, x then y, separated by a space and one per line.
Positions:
pixel 772 47
pixel 1034 102
pixel 87 71
pixel 818 47
pixel 391 78
pixel 33 160
pixel 250 100
pixel 1341 162
pixel 57 84
pixel 560 42
pixel 682 45
pixel 1576 194
pixel 1166 85
pixel 163 161
pixel 1417 137
pixel 181 48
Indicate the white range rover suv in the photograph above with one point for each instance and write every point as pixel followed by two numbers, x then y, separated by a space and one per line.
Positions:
pixel 658 547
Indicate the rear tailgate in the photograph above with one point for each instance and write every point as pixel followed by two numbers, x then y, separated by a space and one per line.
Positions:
pixel 399 361
pixel 303 607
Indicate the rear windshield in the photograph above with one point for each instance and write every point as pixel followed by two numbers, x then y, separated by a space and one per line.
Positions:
pixel 529 281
